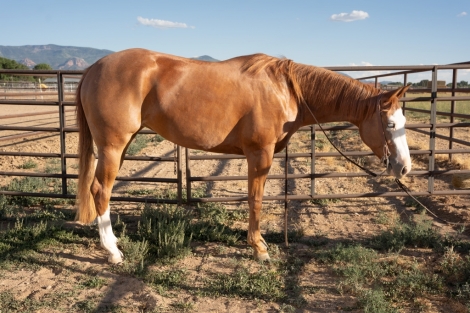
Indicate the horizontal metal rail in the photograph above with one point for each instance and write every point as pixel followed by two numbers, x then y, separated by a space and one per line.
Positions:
pixel 430 128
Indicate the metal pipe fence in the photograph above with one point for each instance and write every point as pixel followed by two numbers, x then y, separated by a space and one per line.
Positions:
pixel 61 99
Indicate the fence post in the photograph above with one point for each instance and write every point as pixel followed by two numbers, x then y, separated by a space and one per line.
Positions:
pixel 432 132
pixel 286 188
pixel 63 163
pixel 312 160
pixel 405 82
pixel 452 110
pixel 179 175
pixel 188 176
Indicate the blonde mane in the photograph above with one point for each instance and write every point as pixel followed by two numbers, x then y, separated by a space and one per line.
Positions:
pixel 317 86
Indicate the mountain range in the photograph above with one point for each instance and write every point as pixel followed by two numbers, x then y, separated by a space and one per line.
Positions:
pixel 58 57
pixel 61 57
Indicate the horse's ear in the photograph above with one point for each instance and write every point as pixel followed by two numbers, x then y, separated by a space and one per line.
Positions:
pixel 395 93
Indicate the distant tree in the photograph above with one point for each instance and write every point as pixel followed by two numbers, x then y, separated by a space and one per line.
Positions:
pixel 462 84
pixel 42 66
pixel 424 83
pixel 8 64
pixel 39 67
pixel 396 83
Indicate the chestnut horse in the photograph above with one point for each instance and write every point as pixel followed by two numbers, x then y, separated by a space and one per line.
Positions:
pixel 249 105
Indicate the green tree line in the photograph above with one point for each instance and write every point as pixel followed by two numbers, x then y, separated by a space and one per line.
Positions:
pixel 8 64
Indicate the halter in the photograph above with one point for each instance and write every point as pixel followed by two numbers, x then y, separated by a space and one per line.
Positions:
pixel 386 156
pixel 385 147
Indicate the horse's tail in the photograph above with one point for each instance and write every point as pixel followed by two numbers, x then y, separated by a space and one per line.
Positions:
pixel 86 211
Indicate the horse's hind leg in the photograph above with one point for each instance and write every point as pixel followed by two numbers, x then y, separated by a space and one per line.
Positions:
pixel 109 162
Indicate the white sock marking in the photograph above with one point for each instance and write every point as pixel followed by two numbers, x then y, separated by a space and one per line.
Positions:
pixel 107 238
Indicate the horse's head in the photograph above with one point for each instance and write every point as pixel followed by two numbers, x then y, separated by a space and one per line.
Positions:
pixel 384 133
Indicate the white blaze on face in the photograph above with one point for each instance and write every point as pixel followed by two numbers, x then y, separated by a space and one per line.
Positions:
pixel 399 140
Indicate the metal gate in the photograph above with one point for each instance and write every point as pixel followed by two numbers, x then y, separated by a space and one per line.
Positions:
pixel 60 96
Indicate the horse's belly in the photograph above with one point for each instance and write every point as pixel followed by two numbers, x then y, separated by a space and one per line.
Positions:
pixel 199 135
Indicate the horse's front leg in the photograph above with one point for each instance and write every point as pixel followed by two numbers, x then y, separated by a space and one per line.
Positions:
pixel 259 163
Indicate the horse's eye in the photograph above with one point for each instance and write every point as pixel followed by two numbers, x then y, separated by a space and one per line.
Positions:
pixel 391 125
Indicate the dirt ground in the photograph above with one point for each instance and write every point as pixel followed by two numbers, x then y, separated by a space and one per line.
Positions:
pixel 333 220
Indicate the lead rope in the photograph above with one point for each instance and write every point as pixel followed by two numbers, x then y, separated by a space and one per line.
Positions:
pixel 384 158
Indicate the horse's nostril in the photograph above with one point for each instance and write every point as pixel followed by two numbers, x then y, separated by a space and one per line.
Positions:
pixel 404 170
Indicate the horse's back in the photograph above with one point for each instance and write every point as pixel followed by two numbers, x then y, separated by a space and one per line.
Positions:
pixel 197 104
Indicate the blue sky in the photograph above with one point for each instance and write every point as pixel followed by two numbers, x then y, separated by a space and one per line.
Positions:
pixel 323 33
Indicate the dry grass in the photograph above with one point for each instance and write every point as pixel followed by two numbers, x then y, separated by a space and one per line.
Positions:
pixel 461 181
pixel 463 162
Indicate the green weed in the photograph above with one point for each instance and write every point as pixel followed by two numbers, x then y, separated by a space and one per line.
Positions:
pixel 93 282
pixel 324 202
pixel 173 278
pixel 183 306
pixel 214 224
pixel 374 301
pixel 414 234
pixel 7 210
pixel 264 284
pixel 29 164
pixel 168 229
pixel 86 306
pixel 140 142
pixel 53 166
pixel 293 235
pixel 136 253
pixel 37 185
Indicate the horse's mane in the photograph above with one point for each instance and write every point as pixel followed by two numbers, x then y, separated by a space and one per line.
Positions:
pixel 317 86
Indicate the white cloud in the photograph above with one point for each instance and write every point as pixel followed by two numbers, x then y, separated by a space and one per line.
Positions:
pixel 350 17
pixel 161 23
pixel 462 14
pixel 359 74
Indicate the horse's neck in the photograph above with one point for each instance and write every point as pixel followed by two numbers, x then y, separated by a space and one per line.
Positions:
pixel 337 99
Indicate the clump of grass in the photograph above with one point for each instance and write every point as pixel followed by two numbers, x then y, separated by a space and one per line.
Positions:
pixel 38 185
pixel 183 306
pixel 324 202
pixel 293 235
pixel 29 164
pixel 93 282
pixel 415 234
pixel 264 284
pixel 391 281
pixel 168 229
pixel 374 301
pixel 455 267
pixel 48 213
pixel 86 305
pixel 53 166
pixel 140 142
pixel 411 203
pixel 140 192
pixel 6 209
pixel 218 214
pixel 173 278
pixel 28 184
pixel 157 139
pixel 136 253
pixel 214 224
